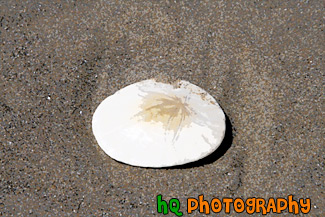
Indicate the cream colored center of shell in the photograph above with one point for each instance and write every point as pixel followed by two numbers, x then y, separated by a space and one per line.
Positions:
pixel 171 111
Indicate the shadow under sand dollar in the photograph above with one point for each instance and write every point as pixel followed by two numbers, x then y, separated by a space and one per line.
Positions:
pixel 214 156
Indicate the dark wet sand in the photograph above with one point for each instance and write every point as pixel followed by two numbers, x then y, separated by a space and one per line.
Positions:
pixel 263 62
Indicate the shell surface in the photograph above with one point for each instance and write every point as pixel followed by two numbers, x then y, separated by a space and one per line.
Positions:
pixel 154 124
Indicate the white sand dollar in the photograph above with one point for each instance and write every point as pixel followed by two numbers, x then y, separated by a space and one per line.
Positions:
pixel 153 124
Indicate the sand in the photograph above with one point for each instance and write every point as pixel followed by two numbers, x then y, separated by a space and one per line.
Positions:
pixel 261 61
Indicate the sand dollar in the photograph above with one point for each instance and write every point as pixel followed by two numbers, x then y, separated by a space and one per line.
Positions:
pixel 154 124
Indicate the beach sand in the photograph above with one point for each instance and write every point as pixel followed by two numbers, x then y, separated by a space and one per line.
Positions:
pixel 261 61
